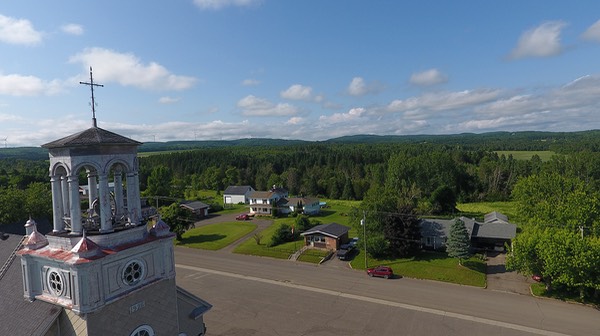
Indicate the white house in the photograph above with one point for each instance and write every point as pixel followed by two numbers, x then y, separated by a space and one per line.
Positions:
pixel 309 205
pixel 237 194
pixel 263 202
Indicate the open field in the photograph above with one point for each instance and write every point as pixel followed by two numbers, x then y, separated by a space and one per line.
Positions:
pixel 479 209
pixel 527 155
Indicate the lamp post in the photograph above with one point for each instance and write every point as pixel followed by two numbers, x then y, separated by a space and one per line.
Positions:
pixel 363 222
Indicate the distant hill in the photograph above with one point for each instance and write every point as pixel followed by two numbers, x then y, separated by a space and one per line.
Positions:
pixel 27 153
pixel 530 140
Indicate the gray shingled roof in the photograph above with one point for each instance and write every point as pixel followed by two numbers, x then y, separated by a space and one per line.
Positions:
pixel 334 230
pixel 17 315
pixel 497 230
pixel 91 136
pixel 237 190
pixel 293 201
pixel 441 227
pixel 495 217
pixel 195 205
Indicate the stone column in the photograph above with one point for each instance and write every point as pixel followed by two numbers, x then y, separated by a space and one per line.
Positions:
pixel 76 227
pixel 92 188
pixel 118 180
pixel 137 201
pixel 57 204
pixel 65 195
pixel 132 205
pixel 105 209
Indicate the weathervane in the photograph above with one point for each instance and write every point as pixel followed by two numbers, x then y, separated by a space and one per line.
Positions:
pixel 92 84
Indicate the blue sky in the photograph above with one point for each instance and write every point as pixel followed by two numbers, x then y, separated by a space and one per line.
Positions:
pixel 310 69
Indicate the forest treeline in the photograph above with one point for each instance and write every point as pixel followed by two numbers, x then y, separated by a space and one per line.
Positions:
pixel 348 171
pixel 559 142
pixel 444 169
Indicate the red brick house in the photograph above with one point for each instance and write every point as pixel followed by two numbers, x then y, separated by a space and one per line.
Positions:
pixel 326 236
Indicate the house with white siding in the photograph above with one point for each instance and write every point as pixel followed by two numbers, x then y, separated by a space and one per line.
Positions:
pixel 263 202
pixel 306 205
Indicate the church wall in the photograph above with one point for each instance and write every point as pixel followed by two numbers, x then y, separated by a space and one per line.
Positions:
pixel 155 305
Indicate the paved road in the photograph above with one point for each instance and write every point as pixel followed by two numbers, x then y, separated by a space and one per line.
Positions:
pixel 264 296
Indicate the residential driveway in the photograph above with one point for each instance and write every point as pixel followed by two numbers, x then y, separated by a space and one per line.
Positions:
pixel 498 278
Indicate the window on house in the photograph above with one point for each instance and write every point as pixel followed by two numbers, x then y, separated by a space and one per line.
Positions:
pixel 428 241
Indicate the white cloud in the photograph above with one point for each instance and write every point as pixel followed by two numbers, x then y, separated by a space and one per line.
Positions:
pixel 19 85
pixel 18 31
pixel 542 41
pixel 168 100
pixel 352 115
pixel 428 78
pixel 128 70
pixel 444 101
pixel 593 32
pixel 250 82
pixel 358 87
pixel 297 92
pixel 218 4
pixel 295 121
pixel 72 29
pixel 260 107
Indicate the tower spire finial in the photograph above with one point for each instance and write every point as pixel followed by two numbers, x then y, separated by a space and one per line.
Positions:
pixel 92 84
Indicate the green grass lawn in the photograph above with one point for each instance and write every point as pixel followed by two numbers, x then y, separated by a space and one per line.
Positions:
pixel 313 256
pixel 216 236
pixel 282 251
pixel 432 266
pixel 337 212
pixel 526 155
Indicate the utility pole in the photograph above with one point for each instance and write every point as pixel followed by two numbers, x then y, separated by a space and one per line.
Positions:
pixel 581 229
pixel 363 222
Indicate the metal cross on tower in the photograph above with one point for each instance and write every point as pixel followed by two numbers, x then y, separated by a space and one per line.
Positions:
pixel 92 84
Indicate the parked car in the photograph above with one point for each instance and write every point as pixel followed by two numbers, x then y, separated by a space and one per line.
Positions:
pixel 536 277
pixel 345 251
pixel 381 271
pixel 242 217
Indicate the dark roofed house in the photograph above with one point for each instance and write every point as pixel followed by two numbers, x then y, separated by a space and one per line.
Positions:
pixel 326 236
pixel 435 232
pixel 198 209
pixel 493 233
pixel 237 194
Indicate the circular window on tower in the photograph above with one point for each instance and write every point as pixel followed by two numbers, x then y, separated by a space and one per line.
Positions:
pixel 143 330
pixel 133 272
pixel 56 283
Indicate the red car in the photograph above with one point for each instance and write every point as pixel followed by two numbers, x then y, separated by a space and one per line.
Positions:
pixel 242 217
pixel 381 271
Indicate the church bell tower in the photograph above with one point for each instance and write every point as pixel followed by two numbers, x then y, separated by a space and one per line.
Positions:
pixel 111 271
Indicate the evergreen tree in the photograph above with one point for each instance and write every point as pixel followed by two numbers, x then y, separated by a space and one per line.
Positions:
pixel 458 243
